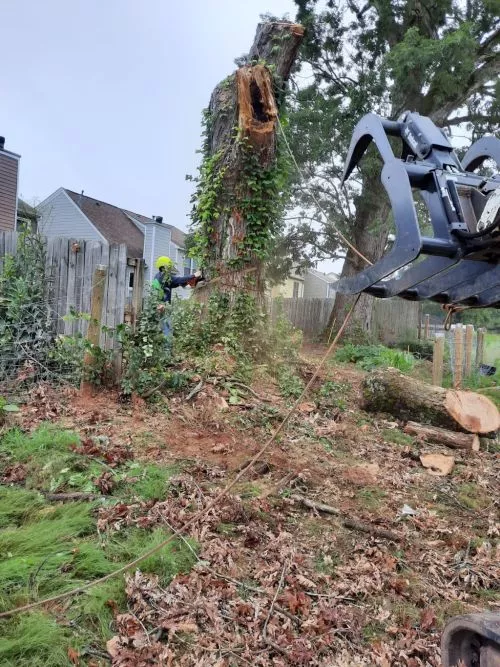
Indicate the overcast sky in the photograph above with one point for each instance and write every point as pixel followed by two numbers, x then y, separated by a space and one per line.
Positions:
pixel 106 96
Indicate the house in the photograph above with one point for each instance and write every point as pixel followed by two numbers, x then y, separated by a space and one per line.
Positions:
pixel 9 186
pixel 291 288
pixel 318 285
pixel 69 214
pixel 308 285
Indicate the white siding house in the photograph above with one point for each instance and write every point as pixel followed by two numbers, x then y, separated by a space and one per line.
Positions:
pixel 58 215
pixel 68 214
pixel 156 244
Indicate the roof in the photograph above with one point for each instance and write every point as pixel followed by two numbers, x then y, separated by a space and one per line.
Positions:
pixel 116 224
pixel 327 277
pixel 178 236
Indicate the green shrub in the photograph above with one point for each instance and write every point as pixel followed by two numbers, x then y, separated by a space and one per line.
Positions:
pixel 369 357
pixel 421 349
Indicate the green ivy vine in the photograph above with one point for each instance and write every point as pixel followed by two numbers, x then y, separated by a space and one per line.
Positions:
pixel 259 199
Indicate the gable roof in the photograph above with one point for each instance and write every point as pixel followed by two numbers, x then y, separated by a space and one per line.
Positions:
pixel 117 224
pixel 178 236
pixel 327 277
pixel 111 222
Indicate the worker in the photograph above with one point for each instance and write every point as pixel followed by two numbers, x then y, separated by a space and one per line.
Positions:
pixel 166 280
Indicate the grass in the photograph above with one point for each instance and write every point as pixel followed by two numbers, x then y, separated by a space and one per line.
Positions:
pixel 369 357
pixel 473 496
pixel 371 497
pixel 49 548
pixel 397 437
pixel 492 349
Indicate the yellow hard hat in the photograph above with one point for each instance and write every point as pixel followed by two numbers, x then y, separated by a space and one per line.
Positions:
pixel 164 261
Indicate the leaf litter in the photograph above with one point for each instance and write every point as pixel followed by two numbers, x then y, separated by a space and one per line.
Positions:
pixel 275 584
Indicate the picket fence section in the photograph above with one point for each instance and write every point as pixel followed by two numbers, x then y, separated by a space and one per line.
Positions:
pixel 70 267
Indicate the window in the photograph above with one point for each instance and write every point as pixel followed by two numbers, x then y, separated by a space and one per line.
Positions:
pixel 295 289
pixel 187 270
pixel 131 279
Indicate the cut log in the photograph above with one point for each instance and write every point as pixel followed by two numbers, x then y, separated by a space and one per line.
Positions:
pixel 409 399
pixel 443 437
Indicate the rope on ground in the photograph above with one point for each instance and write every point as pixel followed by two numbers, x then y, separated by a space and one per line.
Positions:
pixel 317 202
pixel 223 493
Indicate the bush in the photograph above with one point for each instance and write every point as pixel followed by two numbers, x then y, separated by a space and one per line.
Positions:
pixel 369 357
pixel 421 349
pixel 25 324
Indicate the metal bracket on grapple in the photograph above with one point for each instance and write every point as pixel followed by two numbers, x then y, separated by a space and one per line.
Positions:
pixel 459 264
pixel 472 641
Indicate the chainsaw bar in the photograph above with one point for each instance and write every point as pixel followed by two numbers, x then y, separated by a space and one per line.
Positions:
pixel 459 264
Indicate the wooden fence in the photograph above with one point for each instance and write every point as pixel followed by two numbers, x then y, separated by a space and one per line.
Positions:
pixel 392 319
pixel 70 267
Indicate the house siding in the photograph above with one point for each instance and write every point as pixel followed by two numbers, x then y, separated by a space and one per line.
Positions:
pixel 287 290
pixel 156 243
pixel 59 216
pixel 9 171
pixel 314 287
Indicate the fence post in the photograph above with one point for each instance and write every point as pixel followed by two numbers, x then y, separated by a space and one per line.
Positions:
pixel 94 330
pixel 469 335
pixel 138 290
pixel 480 347
pixel 437 360
pixel 459 357
pixel 427 324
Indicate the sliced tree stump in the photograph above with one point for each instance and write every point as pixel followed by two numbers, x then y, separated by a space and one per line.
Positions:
pixel 443 437
pixel 409 399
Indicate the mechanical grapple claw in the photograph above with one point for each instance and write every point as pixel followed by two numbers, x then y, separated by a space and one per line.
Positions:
pixel 460 262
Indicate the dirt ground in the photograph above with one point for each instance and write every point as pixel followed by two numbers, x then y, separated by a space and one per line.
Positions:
pixel 278 583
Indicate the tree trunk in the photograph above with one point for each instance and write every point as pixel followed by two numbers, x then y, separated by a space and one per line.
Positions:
pixel 370 231
pixel 412 400
pixel 238 188
pixel 443 437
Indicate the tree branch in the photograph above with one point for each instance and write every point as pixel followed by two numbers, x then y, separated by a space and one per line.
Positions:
pixel 469 118
pixel 491 40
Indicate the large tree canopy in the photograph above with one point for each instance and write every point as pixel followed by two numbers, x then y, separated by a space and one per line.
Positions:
pixel 440 58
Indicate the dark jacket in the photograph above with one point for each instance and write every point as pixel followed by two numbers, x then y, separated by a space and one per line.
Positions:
pixel 168 283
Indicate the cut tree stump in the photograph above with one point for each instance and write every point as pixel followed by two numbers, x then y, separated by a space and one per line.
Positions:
pixel 443 437
pixel 409 399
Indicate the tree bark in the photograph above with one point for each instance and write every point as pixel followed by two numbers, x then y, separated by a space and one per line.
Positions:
pixel 242 121
pixel 370 232
pixel 443 437
pixel 412 400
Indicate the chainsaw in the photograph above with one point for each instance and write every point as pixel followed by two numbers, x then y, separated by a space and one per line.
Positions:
pixel 459 263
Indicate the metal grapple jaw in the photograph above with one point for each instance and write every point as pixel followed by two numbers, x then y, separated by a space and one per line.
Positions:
pixel 459 264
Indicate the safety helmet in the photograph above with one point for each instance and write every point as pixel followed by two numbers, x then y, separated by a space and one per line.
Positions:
pixel 165 262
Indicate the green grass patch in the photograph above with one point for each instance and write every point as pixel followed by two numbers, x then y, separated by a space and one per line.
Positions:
pixel 371 497
pixel 152 482
pixel 473 496
pixel 36 640
pixel 369 357
pixel 50 548
pixel 397 437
